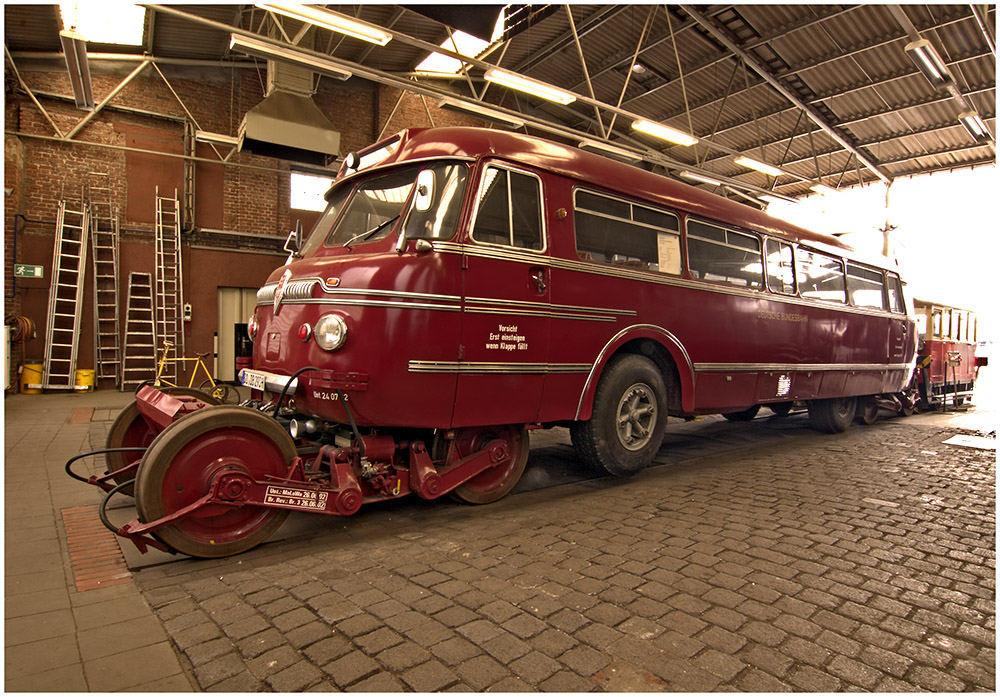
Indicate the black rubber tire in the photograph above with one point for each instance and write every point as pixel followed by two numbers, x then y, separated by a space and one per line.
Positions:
pixel 169 444
pixel 599 441
pixel 867 411
pixel 745 415
pixel 130 419
pixel 780 408
pixel 832 415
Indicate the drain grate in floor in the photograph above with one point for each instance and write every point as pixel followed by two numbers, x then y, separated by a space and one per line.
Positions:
pixel 93 550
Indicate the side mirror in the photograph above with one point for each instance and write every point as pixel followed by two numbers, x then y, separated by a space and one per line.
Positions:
pixel 293 243
pixel 424 196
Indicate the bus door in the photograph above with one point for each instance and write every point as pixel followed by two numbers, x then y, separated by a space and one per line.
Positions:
pixel 902 335
pixel 505 314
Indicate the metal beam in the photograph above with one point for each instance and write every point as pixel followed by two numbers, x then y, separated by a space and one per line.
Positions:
pixel 811 111
pixel 114 93
pixel 588 25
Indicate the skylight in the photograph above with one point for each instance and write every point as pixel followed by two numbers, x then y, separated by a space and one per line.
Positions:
pixel 104 21
pixel 464 44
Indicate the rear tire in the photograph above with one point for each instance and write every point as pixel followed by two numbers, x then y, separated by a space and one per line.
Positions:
pixel 629 418
pixel 832 415
pixel 745 415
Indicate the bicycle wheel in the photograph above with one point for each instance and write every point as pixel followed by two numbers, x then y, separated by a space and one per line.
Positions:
pixel 218 390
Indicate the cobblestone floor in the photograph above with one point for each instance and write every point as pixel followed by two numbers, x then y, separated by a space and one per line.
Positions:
pixel 863 561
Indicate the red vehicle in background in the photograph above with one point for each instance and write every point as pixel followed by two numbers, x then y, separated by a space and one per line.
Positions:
pixel 465 286
pixel 947 365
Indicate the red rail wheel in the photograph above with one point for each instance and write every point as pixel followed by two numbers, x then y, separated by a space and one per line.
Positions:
pixel 496 482
pixel 130 430
pixel 178 467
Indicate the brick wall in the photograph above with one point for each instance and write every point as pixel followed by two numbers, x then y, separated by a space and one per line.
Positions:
pixel 235 198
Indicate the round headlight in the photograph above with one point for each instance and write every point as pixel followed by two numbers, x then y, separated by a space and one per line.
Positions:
pixel 252 327
pixel 330 332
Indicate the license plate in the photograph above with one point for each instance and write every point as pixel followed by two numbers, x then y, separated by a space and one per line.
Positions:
pixel 253 379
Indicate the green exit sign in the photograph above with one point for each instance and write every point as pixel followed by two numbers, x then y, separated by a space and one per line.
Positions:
pixel 28 271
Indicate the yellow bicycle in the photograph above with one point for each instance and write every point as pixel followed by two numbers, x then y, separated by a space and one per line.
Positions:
pixel 219 391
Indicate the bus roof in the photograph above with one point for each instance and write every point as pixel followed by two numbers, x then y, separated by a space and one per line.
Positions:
pixel 605 173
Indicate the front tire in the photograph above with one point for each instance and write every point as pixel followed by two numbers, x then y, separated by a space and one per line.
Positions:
pixel 629 418
pixel 832 415
pixel 745 415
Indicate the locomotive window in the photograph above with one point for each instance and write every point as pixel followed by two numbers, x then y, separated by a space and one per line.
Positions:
pixel 718 254
pixel 821 277
pixel 373 208
pixel 865 286
pixel 780 267
pixel 895 288
pixel 446 189
pixel 510 210
pixel 614 231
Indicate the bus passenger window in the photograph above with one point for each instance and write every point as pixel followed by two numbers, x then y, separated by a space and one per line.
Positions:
pixel 895 288
pixel 936 331
pixel 865 286
pixel 821 277
pixel 718 254
pixel 510 211
pixel 780 267
pixel 614 231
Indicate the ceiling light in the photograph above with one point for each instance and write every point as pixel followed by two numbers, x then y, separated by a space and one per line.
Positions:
pixel 701 178
pixel 639 69
pixel 759 166
pixel 333 21
pixel 611 149
pixel 217 138
pixel 821 188
pixel 482 111
pixel 75 52
pixel 270 51
pixel 928 61
pixel 664 132
pixel 975 125
pixel 523 84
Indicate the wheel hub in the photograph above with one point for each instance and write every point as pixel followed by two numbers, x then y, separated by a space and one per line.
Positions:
pixel 636 416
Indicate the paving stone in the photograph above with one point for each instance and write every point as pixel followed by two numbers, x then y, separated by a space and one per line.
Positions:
pixel 584 660
pixel 380 682
pixel 295 678
pixel 481 672
pixel 272 661
pixel 209 650
pixel 722 665
pixel 303 636
pixel 534 667
pixel 218 669
pixel 566 682
pixel 403 656
pixel 256 644
pixel 855 672
pixel 431 676
pixel 350 668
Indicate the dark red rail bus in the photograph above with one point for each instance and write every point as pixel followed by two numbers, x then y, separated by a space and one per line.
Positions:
pixel 947 365
pixel 465 286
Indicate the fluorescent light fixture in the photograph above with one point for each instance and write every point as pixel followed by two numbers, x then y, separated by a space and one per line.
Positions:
pixel 701 178
pixel 482 111
pixel 610 149
pixel 75 52
pixel 927 60
pixel 821 188
pixel 270 51
pixel 975 125
pixel 523 84
pixel 664 132
pixel 217 138
pixel 333 21
pixel 759 166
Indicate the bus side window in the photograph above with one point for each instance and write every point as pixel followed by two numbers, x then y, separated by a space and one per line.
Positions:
pixel 865 286
pixel 821 277
pixel 718 254
pixel 614 231
pixel 895 288
pixel 509 211
pixel 936 324
pixel 780 267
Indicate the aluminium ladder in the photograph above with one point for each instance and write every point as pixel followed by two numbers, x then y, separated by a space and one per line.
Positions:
pixel 139 360
pixel 169 283
pixel 62 326
pixel 104 239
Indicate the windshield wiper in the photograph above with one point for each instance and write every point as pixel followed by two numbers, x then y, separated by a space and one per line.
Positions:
pixel 367 233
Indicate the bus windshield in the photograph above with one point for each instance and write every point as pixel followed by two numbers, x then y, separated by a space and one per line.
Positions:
pixel 369 209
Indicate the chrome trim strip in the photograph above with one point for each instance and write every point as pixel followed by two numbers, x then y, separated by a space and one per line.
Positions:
pixel 600 356
pixel 375 303
pixel 537 313
pixel 267 292
pixel 486 368
pixel 549 306
pixel 793 367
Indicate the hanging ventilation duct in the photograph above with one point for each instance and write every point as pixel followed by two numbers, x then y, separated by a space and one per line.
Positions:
pixel 287 124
